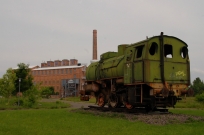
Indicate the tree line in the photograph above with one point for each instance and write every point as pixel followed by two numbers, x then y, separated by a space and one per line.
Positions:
pixel 21 79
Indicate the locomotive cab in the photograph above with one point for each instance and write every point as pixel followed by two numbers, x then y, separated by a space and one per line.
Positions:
pixel 159 69
pixel 169 65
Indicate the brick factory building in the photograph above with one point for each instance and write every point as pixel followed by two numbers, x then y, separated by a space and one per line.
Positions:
pixel 66 77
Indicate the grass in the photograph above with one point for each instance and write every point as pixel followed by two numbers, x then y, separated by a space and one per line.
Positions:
pixel 63 121
pixel 49 105
pixel 188 111
pixel 45 119
pixel 188 106
pixel 12 105
pixel 189 102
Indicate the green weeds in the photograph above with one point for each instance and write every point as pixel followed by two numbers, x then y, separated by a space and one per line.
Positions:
pixel 189 102
pixel 30 103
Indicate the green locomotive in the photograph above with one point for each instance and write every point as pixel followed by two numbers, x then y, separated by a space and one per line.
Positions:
pixel 151 73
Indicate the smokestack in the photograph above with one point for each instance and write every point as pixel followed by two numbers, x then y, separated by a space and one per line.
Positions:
pixel 94 44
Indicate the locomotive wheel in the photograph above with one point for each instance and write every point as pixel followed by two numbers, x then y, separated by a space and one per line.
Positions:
pixel 113 101
pixel 128 106
pixel 101 100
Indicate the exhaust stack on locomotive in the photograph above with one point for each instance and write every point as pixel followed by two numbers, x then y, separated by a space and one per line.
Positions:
pixel 94 44
pixel 151 73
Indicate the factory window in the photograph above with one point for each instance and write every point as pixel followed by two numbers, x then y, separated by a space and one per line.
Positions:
pixel 55 71
pixel 38 72
pixel 139 51
pixel 70 71
pixel 184 52
pixel 56 63
pixel 168 51
pixel 153 48
pixel 67 71
pixel 62 71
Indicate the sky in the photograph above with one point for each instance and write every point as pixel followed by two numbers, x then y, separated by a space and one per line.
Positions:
pixel 36 31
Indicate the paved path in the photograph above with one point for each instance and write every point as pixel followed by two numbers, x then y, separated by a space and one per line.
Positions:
pixel 73 104
pixel 80 104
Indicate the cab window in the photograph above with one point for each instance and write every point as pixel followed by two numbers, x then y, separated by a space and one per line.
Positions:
pixel 168 51
pixel 138 52
pixel 184 52
pixel 153 48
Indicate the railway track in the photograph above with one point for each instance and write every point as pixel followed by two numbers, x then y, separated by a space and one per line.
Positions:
pixel 125 110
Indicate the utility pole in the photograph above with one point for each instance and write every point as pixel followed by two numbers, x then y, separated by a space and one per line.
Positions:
pixel 19 91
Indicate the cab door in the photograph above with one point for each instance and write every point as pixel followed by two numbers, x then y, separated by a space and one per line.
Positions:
pixel 128 67
pixel 133 67
pixel 138 64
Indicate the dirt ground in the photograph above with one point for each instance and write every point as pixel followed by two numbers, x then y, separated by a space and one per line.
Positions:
pixel 150 118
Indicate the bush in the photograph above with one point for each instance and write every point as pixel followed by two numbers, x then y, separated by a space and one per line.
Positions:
pixel 46 92
pixel 200 98
pixel 30 97
pixel 16 100
pixel 28 101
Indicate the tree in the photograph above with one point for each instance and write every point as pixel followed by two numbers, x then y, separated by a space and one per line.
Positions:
pixel 197 86
pixel 7 84
pixel 24 73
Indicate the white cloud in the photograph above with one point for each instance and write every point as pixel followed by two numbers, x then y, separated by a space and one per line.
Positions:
pixel 200 71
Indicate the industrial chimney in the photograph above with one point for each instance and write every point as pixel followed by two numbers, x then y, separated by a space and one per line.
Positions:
pixel 94 44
